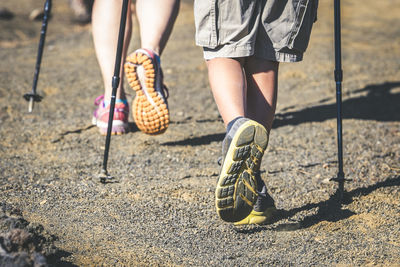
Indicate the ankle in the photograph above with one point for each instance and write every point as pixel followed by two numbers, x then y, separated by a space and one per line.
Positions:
pixel 155 50
pixel 117 101
pixel 230 124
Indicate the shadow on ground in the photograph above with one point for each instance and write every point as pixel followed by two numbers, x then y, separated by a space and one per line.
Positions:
pixel 197 141
pixel 379 104
pixel 328 210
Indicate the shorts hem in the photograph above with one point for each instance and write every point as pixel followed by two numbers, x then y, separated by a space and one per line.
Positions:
pixel 244 51
pixel 280 56
pixel 228 51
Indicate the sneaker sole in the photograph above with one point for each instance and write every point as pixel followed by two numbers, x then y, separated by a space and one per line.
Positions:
pixel 236 189
pixel 118 127
pixel 150 110
pixel 258 217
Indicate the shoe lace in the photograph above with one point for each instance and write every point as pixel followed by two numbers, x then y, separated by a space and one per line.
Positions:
pixel 98 100
pixel 166 91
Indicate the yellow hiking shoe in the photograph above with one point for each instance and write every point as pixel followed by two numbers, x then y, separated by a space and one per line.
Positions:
pixel 264 210
pixel 242 150
pixel 258 217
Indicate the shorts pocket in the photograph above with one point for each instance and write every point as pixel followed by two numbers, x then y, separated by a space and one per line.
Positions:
pixel 306 16
pixel 205 22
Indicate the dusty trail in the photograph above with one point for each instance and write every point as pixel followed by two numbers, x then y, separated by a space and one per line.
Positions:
pixel 161 212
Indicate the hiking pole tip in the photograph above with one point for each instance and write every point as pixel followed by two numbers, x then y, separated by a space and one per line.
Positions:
pixel 105 178
pixel 32 98
pixel 30 108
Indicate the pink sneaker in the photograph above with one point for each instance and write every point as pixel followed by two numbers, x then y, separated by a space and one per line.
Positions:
pixel 101 114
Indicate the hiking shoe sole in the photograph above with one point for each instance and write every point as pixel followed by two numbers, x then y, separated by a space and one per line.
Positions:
pixel 118 127
pixel 149 108
pixel 236 191
pixel 258 217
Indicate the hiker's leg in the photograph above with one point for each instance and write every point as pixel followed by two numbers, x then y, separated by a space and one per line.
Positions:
pixel 262 90
pixel 156 20
pixel 228 85
pixel 106 17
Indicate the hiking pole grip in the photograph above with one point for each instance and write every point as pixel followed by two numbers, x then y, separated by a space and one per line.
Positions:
pixel 115 83
pixel 33 96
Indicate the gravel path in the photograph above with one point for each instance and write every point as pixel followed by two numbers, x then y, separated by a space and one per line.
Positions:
pixel 161 209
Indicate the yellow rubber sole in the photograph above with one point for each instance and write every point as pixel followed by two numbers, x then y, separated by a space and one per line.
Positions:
pixel 236 188
pixel 149 109
pixel 258 217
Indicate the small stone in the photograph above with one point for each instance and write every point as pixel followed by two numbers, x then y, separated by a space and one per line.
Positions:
pixel 36 14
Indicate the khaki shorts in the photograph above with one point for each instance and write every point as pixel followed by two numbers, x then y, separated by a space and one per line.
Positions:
pixel 277 30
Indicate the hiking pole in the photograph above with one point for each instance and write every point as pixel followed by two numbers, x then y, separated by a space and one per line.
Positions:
pixel 33 96
pixel 104 176
pixel 338 79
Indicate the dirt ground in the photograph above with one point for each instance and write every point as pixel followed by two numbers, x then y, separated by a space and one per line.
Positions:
pixel 161 209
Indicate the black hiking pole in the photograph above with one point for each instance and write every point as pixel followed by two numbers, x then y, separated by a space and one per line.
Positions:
pixel 338 79
pixel 104 176
pixel 33 96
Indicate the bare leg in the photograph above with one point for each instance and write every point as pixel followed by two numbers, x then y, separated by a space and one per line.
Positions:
pixel 156 19
pixel 106 17
pixel 242 87
pixel 228 85
pixel 262 90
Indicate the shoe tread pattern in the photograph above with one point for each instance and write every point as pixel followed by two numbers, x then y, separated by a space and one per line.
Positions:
pixel 236 190
pixel 151 116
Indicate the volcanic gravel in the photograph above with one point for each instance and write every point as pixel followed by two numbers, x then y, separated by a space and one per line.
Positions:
pixel 160 210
